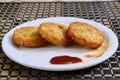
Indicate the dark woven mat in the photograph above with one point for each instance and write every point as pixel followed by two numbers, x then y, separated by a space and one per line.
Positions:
pixel 13 14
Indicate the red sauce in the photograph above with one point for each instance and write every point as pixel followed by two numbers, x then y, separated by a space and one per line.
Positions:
pixel 65 60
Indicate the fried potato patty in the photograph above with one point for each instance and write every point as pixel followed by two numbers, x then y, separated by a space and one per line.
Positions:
pixel 54 33
pixel 85 34
pixel 28 37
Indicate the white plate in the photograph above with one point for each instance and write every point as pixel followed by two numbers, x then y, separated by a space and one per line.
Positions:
pixel 39 58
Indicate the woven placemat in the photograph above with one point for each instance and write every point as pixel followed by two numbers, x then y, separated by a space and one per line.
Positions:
pixel 13 14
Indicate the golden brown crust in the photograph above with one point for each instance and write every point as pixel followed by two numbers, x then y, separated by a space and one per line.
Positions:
pixel 28 37
pixel 85 34
pixel 54 33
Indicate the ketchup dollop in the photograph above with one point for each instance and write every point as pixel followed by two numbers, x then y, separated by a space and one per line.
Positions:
pixel 65 60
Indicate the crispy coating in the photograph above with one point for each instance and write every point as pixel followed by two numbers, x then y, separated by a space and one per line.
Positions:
pixel 85 34
pixel 28 37
pixel 54 33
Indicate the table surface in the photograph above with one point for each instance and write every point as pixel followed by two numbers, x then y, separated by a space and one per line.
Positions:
pixel 13 14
